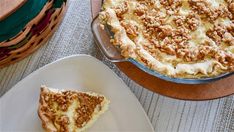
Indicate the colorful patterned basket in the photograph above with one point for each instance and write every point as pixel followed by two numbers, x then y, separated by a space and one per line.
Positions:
pixel 36 32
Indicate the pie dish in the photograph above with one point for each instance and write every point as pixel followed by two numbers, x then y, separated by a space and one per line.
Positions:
pixel 180 39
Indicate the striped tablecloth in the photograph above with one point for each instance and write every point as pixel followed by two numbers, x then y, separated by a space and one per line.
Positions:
pixel 74 37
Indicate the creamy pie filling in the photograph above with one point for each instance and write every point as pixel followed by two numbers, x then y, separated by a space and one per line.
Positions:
pixel 178 38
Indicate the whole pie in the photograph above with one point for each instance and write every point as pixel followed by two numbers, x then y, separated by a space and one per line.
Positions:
pixel 178 38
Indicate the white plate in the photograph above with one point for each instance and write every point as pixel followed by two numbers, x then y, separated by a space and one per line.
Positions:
pixel 19 105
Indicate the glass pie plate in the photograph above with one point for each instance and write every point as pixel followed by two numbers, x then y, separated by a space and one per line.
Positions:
pixel 112 53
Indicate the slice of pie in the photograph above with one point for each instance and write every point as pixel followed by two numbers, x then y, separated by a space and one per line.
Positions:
pixel 69 111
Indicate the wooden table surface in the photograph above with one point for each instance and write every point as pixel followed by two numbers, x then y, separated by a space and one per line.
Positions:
pixel 74 37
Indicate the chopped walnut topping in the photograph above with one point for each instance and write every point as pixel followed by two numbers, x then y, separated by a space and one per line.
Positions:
pixel 121 9
pixel 204 8
pixel 166 30
pixel 228 38
pixel 171 5
pixel 220 34
pixel 140 9
pixel 214 36
pixel 201 7
pixel 230 28
pixel 179 20
pixel 62 122
pixel 205 50
pixel 191 56
pixel 223 12
pixel 153 19
pixel 168 46
pixel 180 35
pixel 230 60
pixel 147 2
pixel 192 21
pixel 220 56
pixel 231 7
pixel 87 106
pixel 131 28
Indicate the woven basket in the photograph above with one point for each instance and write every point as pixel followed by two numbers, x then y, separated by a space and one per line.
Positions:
pixel 34 41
